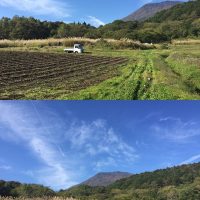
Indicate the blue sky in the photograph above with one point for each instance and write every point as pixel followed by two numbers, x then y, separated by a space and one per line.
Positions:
pixel 62 143
pixel 95 12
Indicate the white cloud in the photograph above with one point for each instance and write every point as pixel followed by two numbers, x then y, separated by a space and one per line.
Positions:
pixel 191 160
pixel 94 21
pixel 40 7
pixel 98 139
pixel 176 130
pixel 24 125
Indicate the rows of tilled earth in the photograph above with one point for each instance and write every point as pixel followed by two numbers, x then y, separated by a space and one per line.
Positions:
pixel 20 71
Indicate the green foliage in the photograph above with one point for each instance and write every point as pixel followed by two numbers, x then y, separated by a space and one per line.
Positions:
pixel 185 11
pixel 16 189
pixel 73 30
pixel 30 28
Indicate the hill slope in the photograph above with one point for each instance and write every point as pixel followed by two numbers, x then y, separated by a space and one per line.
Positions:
pixel 106 178
pixel 180 21
pixel 182 182
pixel 150 10
pixel 185 11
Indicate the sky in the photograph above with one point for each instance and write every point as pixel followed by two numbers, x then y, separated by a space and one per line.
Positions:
pixel 62 143
pixel 95 12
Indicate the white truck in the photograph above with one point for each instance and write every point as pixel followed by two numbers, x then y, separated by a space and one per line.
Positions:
pixel 78 48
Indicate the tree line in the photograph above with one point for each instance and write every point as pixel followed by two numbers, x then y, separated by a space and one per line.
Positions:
pixel 30 28
pixel 181 21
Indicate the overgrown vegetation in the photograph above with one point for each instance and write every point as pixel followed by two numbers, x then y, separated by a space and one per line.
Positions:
pixel 180 21
pixel 87 42
pixel 173 183
pixel 16 189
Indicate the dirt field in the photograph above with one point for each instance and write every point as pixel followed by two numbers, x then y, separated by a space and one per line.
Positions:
pixel 20 71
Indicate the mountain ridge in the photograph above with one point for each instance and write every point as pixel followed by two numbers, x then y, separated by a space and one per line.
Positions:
pixel 179 182
pixel 105 178
pixel 149 10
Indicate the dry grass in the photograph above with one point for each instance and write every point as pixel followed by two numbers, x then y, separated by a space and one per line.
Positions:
pixel 186 42
pixel 44 198
pixel 124 43
pixel 45 42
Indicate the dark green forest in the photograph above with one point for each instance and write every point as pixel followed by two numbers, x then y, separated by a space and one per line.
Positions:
pixel 181 21
pixel 16 189
pixel 182 182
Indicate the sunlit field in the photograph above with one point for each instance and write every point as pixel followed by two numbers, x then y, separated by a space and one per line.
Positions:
pixel 109 69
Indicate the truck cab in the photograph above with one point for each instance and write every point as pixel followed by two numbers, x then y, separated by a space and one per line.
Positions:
pixel 78 48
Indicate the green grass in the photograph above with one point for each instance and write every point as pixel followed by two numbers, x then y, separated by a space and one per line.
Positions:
pixel 158 74
pixel 149 75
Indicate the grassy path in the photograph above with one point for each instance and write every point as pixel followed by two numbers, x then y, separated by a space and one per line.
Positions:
pixel 167 84
pixel 149 75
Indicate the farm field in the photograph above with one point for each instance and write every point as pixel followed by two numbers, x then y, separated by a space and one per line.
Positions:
pixel 21 71
pixel 105 73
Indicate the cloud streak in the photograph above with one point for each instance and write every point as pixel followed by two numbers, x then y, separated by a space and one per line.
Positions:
pixel 39 7
pixel 94 21
pixel 67 150
pixel 23 124
pixel 191 160
pixel 176 130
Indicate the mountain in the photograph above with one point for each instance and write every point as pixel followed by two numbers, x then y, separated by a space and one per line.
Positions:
pixel 181 182
pixel 179 21
pixel 150 10
pixel 185 12
pixel 105 178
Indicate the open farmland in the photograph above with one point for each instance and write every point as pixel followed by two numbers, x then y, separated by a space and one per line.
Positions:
pixel 22 71
pixel 171 71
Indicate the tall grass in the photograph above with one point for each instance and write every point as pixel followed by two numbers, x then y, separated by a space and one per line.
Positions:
pixel 186 42
pixel 52 42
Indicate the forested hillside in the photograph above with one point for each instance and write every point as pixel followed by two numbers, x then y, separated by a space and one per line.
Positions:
pixel 182 182
pixel 180 21
pixel 149 10
pixel 176 183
